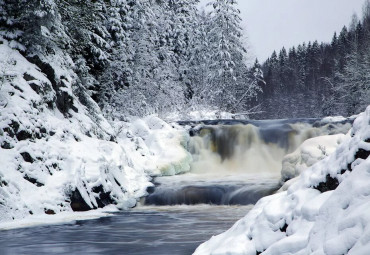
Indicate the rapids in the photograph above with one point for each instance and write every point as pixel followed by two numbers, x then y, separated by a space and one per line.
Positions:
pixel 234 164
pixel 237 162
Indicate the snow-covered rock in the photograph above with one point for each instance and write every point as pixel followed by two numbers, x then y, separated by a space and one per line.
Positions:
pixel 155 146
pixel 308 153
pixel 59 155
pixel 326 211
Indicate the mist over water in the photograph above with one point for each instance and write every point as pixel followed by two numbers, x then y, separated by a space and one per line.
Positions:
pixel 254 148
pixel 236 163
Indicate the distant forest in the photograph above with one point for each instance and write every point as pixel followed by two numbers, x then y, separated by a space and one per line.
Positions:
pixel 314 80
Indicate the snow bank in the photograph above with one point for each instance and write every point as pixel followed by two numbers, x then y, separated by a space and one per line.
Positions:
pixel 326 211
pixel 201 113
pixel 60 218
pixel 58 155
pixel 308 153
pixel 156 146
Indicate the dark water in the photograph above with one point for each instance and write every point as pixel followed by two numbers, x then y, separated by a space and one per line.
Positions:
pixel 169 229
pixel 165 226
pixel 177 190
pixel 146 230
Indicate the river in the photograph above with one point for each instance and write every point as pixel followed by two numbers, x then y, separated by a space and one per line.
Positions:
pixel 147 230
pixel 175 229
pixel 235 164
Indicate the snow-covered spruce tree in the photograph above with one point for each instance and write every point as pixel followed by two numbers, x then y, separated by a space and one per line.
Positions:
pixel 198 62
pixel 350 82
pixel 10 28
pixel 227 59
pixel 184 26
pixel 89 46
pixel 117 76
pixel 167 74
pixel 31 26
pixel 141 59
pixel 148 71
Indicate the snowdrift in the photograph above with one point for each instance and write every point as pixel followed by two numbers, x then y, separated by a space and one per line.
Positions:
pixel 325 211
pixel 308 153
pixel 58 155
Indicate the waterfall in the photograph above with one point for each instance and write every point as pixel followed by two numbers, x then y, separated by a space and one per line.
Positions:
pixel 254 147
pixel 229 158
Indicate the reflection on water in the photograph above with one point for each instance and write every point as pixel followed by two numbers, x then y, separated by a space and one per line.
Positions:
pixel 144 230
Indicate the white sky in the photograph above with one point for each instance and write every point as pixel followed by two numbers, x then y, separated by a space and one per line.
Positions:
pixel 272 24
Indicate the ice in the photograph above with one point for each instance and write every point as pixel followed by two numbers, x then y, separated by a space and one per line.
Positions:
pixel 60 218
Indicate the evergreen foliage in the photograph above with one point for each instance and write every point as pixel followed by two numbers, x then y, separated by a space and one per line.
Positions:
pixel 136 57
pixel 314 80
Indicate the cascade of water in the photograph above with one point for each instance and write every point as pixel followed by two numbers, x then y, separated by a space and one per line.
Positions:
pixel 228 156
pixel 251 148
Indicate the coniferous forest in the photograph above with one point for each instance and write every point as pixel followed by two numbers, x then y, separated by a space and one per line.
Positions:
pixel 138 57
pixel 320 79
pixel 143 57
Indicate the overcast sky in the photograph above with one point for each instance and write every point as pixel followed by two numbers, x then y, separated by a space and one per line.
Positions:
pixel 272 24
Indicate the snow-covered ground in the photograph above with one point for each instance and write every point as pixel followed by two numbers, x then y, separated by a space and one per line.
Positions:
pixel 325 211
pixel 55 162
pixel 196 115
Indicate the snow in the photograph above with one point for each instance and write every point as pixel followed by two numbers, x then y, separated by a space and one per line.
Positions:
pixel 45 155
pixel 60 218
pixel 60 153
pixel 330 119
pixel 198 114
pixel 308 153
pixel 304 220
pixel 155 146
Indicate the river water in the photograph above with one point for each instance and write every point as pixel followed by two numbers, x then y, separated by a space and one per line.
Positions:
pixel 146 230
pixel 235 164
pixel 175 229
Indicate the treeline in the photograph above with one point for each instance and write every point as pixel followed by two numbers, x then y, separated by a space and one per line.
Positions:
pixel 320 79
pixel 136 57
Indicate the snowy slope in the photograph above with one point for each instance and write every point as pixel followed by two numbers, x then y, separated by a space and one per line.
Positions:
pixel 326 211
pixel 57 155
